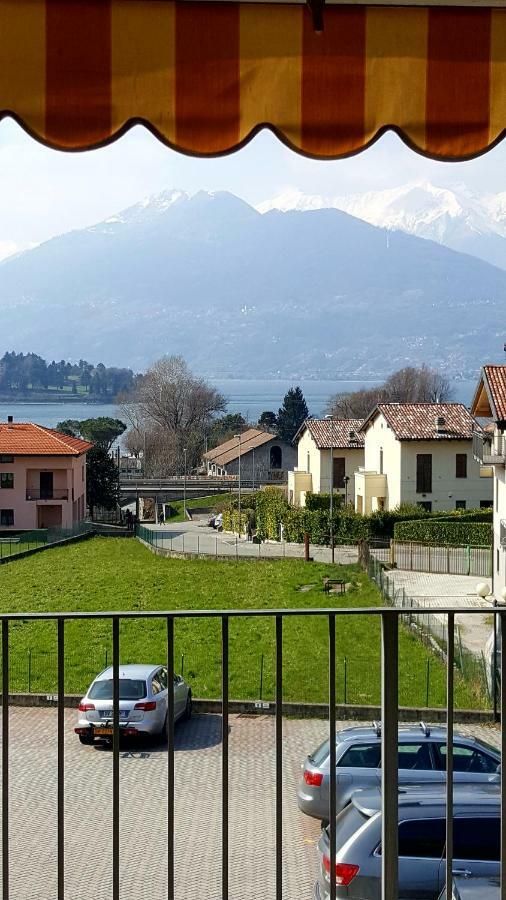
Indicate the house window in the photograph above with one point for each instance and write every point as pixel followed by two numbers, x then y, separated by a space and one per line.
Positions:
pixel 6 480
pixel 308 466
pixel 424 473
pixel 461 465
pixel 6 517
pixel 381 461
pixel 425 504
pixel 485 504
pixel 339 469
pixel 460 504
pixel 6 459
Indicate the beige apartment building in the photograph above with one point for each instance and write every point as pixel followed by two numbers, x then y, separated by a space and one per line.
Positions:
pixel 490 450
pixel 420 453
pixel 317 440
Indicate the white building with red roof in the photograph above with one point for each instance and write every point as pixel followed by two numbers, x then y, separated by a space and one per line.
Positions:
pixel 319 440
pixel 420 453
pixel 490 449
pixel 42 477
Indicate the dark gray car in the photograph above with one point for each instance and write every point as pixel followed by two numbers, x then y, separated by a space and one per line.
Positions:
pixel 422 757
pixel 357 866
pixel 465 888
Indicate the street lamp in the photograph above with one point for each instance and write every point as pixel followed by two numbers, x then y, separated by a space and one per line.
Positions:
pixel 238 438
pixel 330 418
pixel 184 484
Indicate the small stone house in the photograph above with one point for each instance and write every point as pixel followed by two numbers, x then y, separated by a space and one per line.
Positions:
pixel 314 441
pixel 264 458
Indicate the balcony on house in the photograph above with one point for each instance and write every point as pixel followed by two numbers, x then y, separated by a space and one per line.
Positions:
pixel 47 485
pixel 489 449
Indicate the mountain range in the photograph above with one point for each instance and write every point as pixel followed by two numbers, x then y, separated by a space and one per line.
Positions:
pixel 243 292
pixel 457 217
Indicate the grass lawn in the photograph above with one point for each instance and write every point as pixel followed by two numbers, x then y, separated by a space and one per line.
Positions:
pixel 113 574
pixel 212 502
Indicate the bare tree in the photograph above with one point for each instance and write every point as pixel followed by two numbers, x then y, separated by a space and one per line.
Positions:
pixel 408 385
pixel 173 409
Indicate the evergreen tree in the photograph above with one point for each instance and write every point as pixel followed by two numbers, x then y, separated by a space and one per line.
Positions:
pixel 267 420
pixel 102 479
pixel 291 414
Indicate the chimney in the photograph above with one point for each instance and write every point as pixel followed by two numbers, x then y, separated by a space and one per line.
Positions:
pixel 352 436
pixel 10 420
pixel 440 425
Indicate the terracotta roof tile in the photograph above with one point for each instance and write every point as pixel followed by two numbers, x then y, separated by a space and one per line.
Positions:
pixel 249 441
pixel 27 439
pixel 496 380
pixel 417 421
pixel 339 430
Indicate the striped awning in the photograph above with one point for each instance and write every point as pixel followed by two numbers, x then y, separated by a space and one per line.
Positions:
pixel 206 76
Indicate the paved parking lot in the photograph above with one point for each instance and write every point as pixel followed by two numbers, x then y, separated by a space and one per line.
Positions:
pixel 143 771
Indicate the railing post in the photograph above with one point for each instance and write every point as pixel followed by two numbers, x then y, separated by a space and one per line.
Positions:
pixel 5 759
pixel 332 755
pixel 450 644
pixel 170 758
pixel 502 645
pixel 115 759
pixel 61 760
pixel 389 755
pixel 279 757
pixel 30 671
pixel 224 758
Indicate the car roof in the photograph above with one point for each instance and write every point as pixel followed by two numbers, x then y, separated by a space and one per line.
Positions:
pixel 130 670
pixel 406 732
pixel 476 798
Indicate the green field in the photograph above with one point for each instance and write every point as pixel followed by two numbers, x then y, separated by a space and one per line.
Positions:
pixel 116 574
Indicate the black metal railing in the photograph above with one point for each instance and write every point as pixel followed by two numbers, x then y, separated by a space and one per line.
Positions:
pixel 389 619
pixel 47 494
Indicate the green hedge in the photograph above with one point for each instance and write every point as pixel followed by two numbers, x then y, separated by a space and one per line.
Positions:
pixel 322 501
pixel 444 532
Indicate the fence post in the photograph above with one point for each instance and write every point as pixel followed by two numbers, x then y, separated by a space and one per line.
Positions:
pixel 468 559
pixel 411 555
pixel 427 682
pixel 236 546
pixel 182 665
pixel 345 681
pixel 106 657
pixel 261 675
pixel 216 548
pixel 29 671
pixel 198 545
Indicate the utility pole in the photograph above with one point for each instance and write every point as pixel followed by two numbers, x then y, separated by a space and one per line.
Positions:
pixel 184 484
pixel 238 438
pixel 331 487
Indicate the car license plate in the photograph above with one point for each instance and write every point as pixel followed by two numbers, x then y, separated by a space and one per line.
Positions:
pixel 98 730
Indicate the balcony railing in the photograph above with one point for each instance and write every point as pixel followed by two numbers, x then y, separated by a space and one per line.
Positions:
pixel 489 449
pixel 389 620
pixel 47 494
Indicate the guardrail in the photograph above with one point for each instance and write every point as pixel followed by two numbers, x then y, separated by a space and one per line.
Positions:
pixel 489 449
pixel 389 621
pixel 55 494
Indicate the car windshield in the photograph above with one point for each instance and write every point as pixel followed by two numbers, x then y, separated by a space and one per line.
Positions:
pixel 129 689
pixel 320 754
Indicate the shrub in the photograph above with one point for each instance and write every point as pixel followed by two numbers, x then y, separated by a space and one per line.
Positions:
pixel 322 501
pixel 271 510
pixel 444 532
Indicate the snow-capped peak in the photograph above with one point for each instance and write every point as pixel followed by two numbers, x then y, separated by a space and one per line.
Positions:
pixel 453 216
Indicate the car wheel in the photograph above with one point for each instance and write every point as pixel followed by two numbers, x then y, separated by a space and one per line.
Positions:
pixel 188 707
pixel 86 738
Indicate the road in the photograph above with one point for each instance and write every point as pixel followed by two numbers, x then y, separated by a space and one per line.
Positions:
pixel 143 789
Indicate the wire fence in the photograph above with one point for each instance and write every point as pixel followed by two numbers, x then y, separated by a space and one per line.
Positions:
pixel 12 544
pixel 432 630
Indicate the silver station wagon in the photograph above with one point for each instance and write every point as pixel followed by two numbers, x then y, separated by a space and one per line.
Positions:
pixel 142 703
pixel 422 758
pixel 422 833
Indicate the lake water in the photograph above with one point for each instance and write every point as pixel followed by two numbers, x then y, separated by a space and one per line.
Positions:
pixel 249 397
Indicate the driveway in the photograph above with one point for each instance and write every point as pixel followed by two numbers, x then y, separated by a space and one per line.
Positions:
pixel 143 786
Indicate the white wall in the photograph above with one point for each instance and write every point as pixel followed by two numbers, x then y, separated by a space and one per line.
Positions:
pixel 472 489
pixel 319 465
pixel 380 437
pixel 307 445
pixel 499 578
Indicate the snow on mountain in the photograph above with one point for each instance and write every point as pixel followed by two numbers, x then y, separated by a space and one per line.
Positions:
pixel 455 217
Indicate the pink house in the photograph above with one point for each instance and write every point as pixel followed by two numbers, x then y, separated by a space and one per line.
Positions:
pixel 42 477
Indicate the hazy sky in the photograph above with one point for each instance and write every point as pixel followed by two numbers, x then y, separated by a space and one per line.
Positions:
pixel 45 192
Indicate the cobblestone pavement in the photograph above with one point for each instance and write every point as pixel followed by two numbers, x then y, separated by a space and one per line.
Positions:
pixel 436 591
pixel 143 784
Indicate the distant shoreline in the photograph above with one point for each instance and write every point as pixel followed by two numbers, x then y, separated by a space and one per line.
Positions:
pixel 99 401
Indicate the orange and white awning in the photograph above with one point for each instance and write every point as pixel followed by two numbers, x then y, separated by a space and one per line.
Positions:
pixel 205 76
